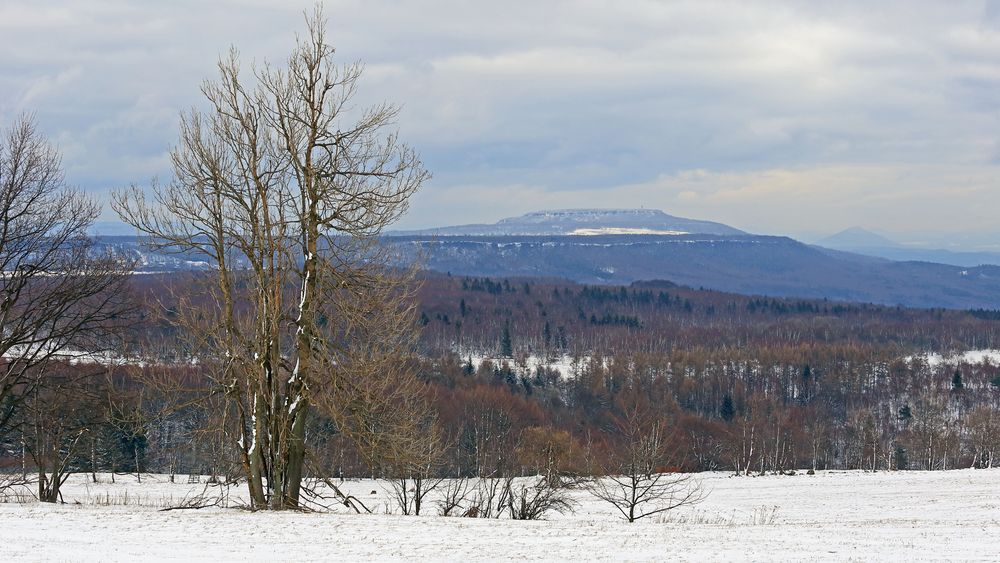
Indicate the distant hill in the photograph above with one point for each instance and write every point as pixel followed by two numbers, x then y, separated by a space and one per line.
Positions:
pixel 862 241
pixel 621 246
pixel 585 222
pixel 747 264
pixel 856 237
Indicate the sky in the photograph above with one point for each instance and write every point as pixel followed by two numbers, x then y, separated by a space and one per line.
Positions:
pixel 797 117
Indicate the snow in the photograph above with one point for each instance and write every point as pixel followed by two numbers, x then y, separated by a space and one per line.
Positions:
pixel 567 366
pixel 624 231
pixel 830 516
pixel 967 357
pixel 70 355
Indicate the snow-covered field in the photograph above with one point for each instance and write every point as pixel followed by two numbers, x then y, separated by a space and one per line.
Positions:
pixel 836 516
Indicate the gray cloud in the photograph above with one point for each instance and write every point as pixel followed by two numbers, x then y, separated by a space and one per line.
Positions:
pixel 775 116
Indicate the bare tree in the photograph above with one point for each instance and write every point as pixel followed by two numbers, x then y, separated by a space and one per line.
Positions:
pixel 984 436
pixel 416 474
pixel 453 496
pixel 68 405
pixel 532 500
pixel 59 297
pixel 636 481
pixel 286 188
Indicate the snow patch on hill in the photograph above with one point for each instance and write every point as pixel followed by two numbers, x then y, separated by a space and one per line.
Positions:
pixel 567 366
pixel 934 359
pixel 624 231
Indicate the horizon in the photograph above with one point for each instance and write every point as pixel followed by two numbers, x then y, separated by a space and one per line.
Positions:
pixel 914 240
pixel 775 118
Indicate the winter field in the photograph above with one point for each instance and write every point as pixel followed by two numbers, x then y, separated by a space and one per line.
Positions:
pixel 830 516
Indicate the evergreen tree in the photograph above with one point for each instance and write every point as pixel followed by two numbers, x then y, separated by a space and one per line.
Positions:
pixel 905 413
pixel 956 381
pixel 806 380
pixel 727 411
pixel 899 458
pixel 506 348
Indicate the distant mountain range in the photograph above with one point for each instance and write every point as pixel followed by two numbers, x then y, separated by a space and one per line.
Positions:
pixel 747 264
pixel 620 246
pixel 862 241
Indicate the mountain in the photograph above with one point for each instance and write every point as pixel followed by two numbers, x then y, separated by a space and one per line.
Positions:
pixel 861 241
pixel 856 237
pixel 584 222
pixel 747 264
pixel 950 257
pixel 621 246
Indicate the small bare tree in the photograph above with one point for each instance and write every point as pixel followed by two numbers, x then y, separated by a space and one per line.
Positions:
pixel 533 499
pixel 67 406
pixel 636 480
pixel 416 476
pixel 453 496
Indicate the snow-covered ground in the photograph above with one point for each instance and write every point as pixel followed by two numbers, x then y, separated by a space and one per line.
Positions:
pixel 566 365
pixel 967 357
pixel 569 366
pixel 836 516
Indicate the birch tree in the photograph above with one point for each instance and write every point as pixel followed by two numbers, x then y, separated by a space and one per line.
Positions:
pixel 286 186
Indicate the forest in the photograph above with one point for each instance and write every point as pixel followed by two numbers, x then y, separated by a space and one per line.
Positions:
pixel 544 377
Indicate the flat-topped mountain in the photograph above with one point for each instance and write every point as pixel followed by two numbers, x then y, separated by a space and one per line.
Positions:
pixel 585 222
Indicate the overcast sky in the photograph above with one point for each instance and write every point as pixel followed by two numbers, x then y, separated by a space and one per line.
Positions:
pixel 798 118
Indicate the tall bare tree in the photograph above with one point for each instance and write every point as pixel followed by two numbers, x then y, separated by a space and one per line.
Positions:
pixel 286 187
pixel 59 296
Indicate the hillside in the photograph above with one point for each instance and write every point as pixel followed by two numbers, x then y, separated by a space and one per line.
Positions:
pixel 621 246
pixel 865 242
pixel 763 265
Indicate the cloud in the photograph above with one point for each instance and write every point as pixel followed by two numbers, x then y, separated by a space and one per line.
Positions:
pixel 779 116
pixel 893 197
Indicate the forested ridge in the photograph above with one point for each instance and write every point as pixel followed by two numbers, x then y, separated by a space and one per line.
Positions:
pixel 751 383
